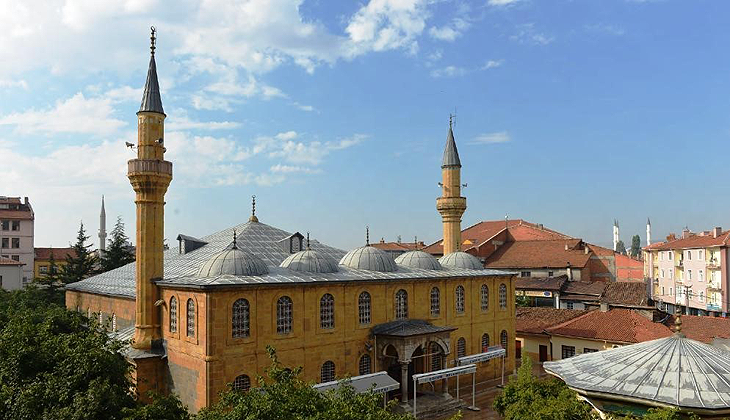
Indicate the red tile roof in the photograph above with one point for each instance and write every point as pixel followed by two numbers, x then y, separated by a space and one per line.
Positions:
pixel 59 254
pixel 626 293
pixel 8 261
pixel 616 325
pixel 539 254
pixel 536 320
pixel 693 241
pixel 592 288
pixel 704 328
pixel 540 283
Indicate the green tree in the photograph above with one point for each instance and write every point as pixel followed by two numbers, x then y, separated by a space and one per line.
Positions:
pixel 118 253
pixel 635 246
pixel 81 263
pixel 162 407
pixel 620 247
pixel 285 396
pixel 51 282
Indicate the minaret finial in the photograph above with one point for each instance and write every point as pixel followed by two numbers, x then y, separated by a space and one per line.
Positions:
pixel 253 217
pixel 678 323
pixel 153 38
pixel 235 244
pixel 415 241
pixel 307 240
pixel 367 235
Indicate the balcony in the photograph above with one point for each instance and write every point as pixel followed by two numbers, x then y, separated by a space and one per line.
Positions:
pixel 713 264
pixel 714 287
pixel 679 263
pixel 141 166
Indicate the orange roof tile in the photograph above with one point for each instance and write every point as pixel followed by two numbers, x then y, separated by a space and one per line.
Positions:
pixel 704 328
pixel 617 325
pixel 536 320
pixel 8 261
pixel 693 241
pixel 59 254
pixel 539 254
pixel 626 293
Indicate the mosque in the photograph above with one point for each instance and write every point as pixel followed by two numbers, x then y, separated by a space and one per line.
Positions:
pixel 201 314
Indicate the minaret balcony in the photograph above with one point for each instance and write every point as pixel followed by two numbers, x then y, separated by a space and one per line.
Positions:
pixel 149 167
pixel 449 204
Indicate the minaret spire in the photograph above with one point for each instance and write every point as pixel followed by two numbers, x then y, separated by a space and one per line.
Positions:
pixel 151 100
pixel 648 232
pixel 253 217
pixel 102 227
pixel 451 205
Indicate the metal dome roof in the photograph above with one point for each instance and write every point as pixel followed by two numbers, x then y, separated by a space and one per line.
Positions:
pixel 673 370
pixel 460 259
pixel 418 259
pixel 309 261
pixel 235 262
pixel 369 258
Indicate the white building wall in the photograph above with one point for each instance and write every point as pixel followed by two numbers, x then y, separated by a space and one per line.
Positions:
pixel 11 277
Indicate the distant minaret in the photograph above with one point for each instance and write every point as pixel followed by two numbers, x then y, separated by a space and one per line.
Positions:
pixel 451 204
pixel 102 227
pixel 615 235
pixel 648 232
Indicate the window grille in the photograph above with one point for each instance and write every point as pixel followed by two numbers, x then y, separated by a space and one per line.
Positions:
pixel 502 296
pixel 191 318
pixel 460 299
pixel 284 315
pixel 242 383
pixel 569 305
pixel 435 357
pixel 485 297
pixel 363 305
pixel 328 371
pixel 327 311
pixel 241 319
pixel 485 342
pixel 173 314
pixel 461 347
pixel 365 364
pixel 401 304
pixel 568 351
pixel 503 341
pixel 435 301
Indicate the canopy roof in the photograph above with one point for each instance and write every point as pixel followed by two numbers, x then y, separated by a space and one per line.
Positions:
pixel 379 382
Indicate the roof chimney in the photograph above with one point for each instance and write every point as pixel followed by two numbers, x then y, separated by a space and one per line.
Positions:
pixel 716 231
pixel 566 247
pixel 604 307
pixel 685 233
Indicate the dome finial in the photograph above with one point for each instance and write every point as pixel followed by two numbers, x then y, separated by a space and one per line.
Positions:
pixel 307 240
pixel 153 38
pixel 367 235
pixel 235 245
pixel 253 217
pixel 678 323
pixel 415 242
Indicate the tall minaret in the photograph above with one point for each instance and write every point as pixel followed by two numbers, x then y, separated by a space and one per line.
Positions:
pixel 150 176
pixel 615 235
pixel 451 204
pixel 102 227
pixel 648 232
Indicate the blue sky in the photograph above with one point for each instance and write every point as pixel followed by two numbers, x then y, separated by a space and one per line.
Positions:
pixel 334 113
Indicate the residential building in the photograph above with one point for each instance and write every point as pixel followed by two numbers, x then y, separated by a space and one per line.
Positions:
pixel 11 274
pixel 16 233
pixel 202 314
pixel 394 249
pixel 43 259
pixel 531 325
pixel 690 273
pixel 559 292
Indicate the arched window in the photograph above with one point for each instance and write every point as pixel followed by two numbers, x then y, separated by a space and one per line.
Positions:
pixel 241 319
pixel 435 301
pixel 485 342
pixel 435 357
pixel 284 315
pixel 328 371
pixel 173 314
pixel 401 304
pixel 502 296
pixel 242 383
pixel 503 341
pixel 363 306
pixel 461 347
pixel 191 318
pixel 327 311
pixel 365 364
pixel 485 297
pixel 460 299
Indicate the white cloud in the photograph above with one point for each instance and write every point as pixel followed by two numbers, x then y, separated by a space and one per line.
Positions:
pixel 179 121
pixel 489 138
pixel 13 83
pixel 289 169
pixel 450 32
pixel 386 25
pixel 448 71
pixel 211 103
pixel 605 29
pixel 501 2
pixel 492 64
pixel 527 34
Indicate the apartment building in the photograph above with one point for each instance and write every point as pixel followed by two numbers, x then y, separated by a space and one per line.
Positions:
pixel 690 272
pixel 16 233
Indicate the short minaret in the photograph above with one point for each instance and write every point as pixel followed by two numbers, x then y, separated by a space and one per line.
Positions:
pixel 150 175
pixel 615 235
pixel 102 227
pixel 648 232
pixel 451 205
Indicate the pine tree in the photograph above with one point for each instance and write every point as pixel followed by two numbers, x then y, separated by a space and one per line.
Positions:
pixel 81 263
pixel 635 246
pixel 620 247
pixel 118 253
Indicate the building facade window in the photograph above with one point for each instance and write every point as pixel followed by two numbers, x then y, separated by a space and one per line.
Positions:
pixel 589 350
pixel 461 347
pixel 569 305
pixel 435 301
pixel 16 225
pixel 242 383
pixel 701 275
pixel 6 225
pixel 173 314
pixel 459 299
pixel 327 311
pixel 191 318
pixel 435 357
pixel 5 243
pixel 502 296
pixel 689 274
pixel 241 319
pixel 284 315
pixel 365 364
pixel 485 342
pixel 689 255
pixel 525 274
pixel 363 308
pixel 568 351
pixel 484 297
pixel 662 273
pixel 327 373
pixel 15 243
pixel 503 342
pixel 401 304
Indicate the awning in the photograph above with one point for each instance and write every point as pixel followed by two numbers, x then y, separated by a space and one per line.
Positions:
pixel 444 373
pixel 492 352
pixel 378 382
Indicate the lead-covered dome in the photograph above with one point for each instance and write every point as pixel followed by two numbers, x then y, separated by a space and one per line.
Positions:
pixel 309 261
pixel 418 259
pixel 460 259
pixel 369 258
pixel 235 262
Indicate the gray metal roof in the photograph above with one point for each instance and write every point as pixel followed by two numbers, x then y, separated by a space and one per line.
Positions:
pixel 235 262
pixel 369 258
pixel 451 153
pixel 378 382
pixel 309 261
pixel 408 327
pixel 151 100
pixel 674 370
pixel 460 259
pixel 263 241
pixel 418 259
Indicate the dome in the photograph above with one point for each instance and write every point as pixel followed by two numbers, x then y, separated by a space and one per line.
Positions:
pixel 460 259
pixel 418 259
pixel 309 261
pixel 368 258
pixel 234 262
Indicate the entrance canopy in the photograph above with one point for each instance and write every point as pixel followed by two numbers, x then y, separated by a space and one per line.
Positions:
pixel 492 352
pixel 422 378
pixel 378 382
